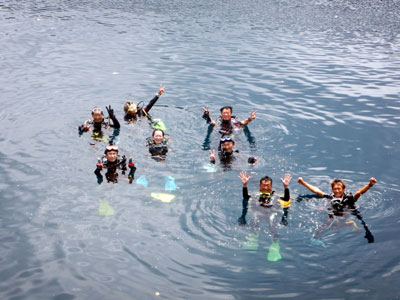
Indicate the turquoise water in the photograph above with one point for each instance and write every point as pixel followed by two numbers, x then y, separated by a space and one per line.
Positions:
pixel 324 77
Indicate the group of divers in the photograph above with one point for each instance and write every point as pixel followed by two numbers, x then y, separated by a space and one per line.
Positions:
pixel 265 204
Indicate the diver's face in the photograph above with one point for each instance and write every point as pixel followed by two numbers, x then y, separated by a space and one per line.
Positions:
pixel 226 114
pixel 97 117
pixel 158 137
pixel 132 112
pixel 266 186
pixel 111 156
pixel 338 190
pixel 228 146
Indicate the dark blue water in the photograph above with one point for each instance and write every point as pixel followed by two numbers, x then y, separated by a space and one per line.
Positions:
pixel 324 77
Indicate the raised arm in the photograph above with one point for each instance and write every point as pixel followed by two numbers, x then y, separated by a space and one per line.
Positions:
pixel 207 117
pixel 244 178
pixel 245 202
pixel 154 100
pixel 111 114
pixel 312 188
pixel 364 189
pixel 286 181
pixel 249 119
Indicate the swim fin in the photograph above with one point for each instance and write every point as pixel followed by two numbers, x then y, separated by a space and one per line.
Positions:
pixel 273 253
pixel 317 242
pixel 163 197
pixel 105 209
pixel 251 243
pixel 142 181
pixel 170 183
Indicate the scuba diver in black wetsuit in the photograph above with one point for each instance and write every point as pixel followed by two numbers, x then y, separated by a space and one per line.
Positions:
pixel 133 111
pixel 341 203
pixel 226 153
pixel 265 205
pixel 98 123
pixel 157 144
pixel 113 162
pixel 227 124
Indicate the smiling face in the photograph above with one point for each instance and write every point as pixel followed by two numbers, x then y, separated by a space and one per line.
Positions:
pixel 226 114
pixel 338 190
pixel 97 117
pixel 266 186
pixel 158 136
pixel 111 155
pixel 227 146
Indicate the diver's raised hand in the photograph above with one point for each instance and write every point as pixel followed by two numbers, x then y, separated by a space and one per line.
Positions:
pixel 252 115
pixel 161 90
pixel 212 155
pixel 244 178
pixel 286 180
pixel 110 112
pixel 372 181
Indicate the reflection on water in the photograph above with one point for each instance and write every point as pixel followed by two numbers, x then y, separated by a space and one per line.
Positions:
pixel 323 77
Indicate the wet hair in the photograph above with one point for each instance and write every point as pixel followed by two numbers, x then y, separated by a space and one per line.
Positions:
pixel 127 105
pixel 335 181
pixel 155 130
pixel 265 178
pixel 226 107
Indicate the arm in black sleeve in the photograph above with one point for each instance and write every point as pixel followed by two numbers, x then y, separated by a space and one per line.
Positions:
pixel 245 204
pixel 115 124
pixel 286 196
pixel 245 193
pixel 151 103
pixel 206 116
pixel 207 140
pixel 98 175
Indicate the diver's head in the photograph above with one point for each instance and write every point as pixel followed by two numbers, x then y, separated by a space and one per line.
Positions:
pixel 266 184
pixel 97 114
pixel 130 108
pixel 227 144
pixel 338 187
pixel 111 153
pixel 226 113
pixel 158 136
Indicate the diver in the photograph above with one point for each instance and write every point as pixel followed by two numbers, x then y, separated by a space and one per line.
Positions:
pixel 341 202
pixel 133 110
pixel 98 123
pixel 158 144
pixel 265 205
pixel 227 124
pixel 113 162
pixel 227 155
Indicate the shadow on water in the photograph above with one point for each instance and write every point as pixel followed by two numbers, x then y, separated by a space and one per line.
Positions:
pixel 323 77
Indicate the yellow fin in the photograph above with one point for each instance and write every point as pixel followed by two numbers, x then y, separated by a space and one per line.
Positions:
pixel 163 197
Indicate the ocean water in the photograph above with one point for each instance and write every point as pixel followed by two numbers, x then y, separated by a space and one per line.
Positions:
pixel 324 77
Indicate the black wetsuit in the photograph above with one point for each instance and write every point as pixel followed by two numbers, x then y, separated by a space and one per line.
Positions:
pixel 226 128
pixel 226 158
pixel 338 208
pixel 263 207
pixel 112 167
pixel 97 128
pixel 157 150
pixel 141 112
pixel 339 204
